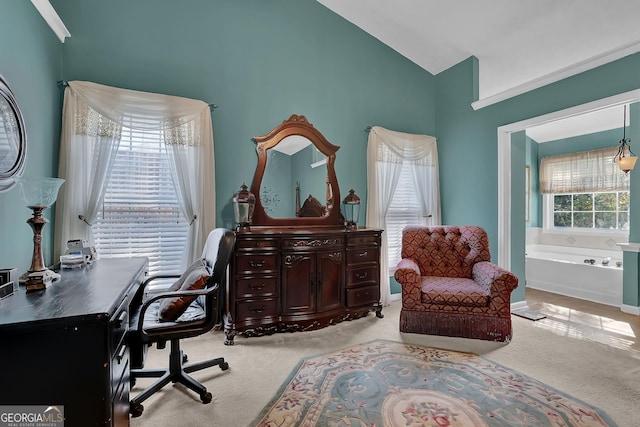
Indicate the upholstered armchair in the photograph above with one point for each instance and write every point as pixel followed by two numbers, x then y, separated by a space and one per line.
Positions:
pixel 449 285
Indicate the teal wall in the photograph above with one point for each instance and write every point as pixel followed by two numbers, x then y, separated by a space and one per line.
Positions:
pixel 30 62
pixel 260 61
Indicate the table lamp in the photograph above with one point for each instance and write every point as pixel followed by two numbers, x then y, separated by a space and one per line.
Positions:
pixel 38 194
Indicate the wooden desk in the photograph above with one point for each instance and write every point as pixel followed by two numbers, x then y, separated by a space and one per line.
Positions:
pixel 67 345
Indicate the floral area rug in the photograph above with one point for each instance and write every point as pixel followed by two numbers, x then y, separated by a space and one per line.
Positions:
pixel 385 383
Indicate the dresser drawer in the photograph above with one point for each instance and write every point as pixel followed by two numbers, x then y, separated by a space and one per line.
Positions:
pixel 257 309
pixel 257 286
pixel 312 242
pixel 363 296
pixel 358 240
pixel 250 263
pixel 362 255
pixel 248 244
pixel 362 276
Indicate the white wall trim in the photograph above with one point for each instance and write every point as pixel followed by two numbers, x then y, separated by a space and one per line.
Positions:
pixel 563 73
pixel 630 309
pixel 629 247
pixel 53 19
pixel 504 161
pixel 519 305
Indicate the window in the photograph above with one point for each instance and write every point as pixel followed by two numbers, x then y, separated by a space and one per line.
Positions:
pixel 404 210
pixel 596 211
pixel 140 214
pixel 584 191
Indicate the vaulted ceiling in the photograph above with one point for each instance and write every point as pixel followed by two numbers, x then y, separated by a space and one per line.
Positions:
pixel 517 42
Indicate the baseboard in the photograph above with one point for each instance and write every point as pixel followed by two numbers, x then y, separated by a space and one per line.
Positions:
pixel 630 309
pixel 519 305
pixel 396 297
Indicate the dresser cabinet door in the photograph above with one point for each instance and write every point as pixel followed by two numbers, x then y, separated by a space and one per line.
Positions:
pixel 330 279
pixel 298 283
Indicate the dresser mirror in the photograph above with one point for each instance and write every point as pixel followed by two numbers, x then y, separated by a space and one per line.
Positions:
pixel 13 139
pixel 295 182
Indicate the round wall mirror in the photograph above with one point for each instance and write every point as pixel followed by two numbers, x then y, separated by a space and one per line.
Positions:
pixel 13 138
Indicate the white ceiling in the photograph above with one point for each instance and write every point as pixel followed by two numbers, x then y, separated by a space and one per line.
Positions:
pixel 519 43
pixel 515 41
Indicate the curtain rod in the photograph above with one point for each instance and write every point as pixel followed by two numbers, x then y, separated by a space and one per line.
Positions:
pixel 64 83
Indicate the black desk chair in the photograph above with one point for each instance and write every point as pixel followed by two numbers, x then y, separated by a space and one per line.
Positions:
pixel 193 305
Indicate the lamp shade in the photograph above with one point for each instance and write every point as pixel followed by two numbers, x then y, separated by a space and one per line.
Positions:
pixel 244 202
pixel 626 163
pixel 39 191
pixel 351 209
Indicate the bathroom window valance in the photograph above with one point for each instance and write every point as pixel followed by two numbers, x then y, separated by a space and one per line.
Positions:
pixel 582 172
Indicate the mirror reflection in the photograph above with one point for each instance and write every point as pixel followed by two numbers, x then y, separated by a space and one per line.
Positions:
pixel 9 136
pixel 295 172
pixel 12 138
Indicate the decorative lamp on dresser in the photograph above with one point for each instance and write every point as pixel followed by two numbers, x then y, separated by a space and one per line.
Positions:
pixel 297 267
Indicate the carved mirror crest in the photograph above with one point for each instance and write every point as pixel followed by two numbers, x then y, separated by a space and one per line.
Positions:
pixel 13 138
pixel 295 182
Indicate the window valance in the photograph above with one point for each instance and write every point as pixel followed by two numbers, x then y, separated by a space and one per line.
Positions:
pixel 585 171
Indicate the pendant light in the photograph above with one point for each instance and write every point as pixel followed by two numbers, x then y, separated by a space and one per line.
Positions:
pixel 625 158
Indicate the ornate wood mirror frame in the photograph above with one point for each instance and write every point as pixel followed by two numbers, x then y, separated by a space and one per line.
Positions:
pixel 13 138
pixel 300 126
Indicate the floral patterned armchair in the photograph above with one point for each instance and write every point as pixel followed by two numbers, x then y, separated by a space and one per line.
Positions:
pixel 449 285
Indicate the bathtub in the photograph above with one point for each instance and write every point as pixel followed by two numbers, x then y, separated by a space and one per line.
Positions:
pixel 563 270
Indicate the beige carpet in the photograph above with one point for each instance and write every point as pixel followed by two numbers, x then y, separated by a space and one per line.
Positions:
pixel 599 374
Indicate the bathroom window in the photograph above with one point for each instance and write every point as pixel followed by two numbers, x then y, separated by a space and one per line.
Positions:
pixel 584 191
pixel 594 211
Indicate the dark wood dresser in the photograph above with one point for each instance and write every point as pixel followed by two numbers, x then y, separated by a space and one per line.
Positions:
pixel 67 345
pixel 286 279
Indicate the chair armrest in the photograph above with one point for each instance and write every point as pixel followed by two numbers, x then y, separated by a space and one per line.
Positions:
pixel 165 295
pixel 498 282
pixel 408 275
pixel 144 284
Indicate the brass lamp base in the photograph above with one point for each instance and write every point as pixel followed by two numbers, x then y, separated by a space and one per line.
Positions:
pixel 39 280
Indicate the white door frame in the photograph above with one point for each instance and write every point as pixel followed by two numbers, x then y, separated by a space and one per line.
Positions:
pixel 504 161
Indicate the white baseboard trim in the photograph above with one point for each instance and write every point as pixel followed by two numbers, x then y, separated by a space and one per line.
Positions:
pixel 519 305
pixel 630 309
pixel 396 297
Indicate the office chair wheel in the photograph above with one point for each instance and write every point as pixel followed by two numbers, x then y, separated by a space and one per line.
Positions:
pixel 185 358
pixel 224 366
pixel 136 410
pixel 206 397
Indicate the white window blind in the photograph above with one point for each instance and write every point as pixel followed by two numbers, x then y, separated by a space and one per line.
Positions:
pixel 404 210
pixel 141 214
pixel 585 171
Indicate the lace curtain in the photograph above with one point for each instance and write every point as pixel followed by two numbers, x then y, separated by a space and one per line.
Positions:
pixel 387 153
pixel 92 120
pixel 585 171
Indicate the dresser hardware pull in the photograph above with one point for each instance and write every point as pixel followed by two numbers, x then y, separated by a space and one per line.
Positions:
pixel 258 310
pixel 365 253
pixel 256 287
pixel 362 275
pixel 256 264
